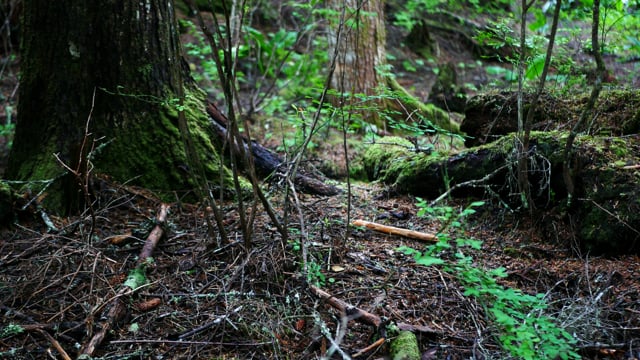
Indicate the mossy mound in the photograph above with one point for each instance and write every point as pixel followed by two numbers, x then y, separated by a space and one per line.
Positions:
pixel 604 211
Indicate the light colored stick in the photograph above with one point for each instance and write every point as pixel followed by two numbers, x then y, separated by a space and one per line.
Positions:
pixel 396 231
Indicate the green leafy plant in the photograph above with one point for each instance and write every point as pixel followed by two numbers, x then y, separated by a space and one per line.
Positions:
pixel 314 274
pixel 11 330
pixel 523 328
pixel 8 128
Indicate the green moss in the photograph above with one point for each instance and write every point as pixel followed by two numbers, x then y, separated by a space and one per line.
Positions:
pixel 6 204
pixel 376 158
pixel 405 347
pixel 618 147
pixel 437 116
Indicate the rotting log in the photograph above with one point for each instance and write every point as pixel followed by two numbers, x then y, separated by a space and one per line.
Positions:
pixel 268 163
pixel 493 114
pixel 605 215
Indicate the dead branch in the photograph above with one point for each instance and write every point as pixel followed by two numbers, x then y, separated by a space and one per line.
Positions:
pixel 154 236
pixel 55 344
pixel 266 161
pixel 370 348
pixel 118 309
pixel 352 312
pixel 392 230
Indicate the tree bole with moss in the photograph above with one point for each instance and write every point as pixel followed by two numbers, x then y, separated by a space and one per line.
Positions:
pixel 104 81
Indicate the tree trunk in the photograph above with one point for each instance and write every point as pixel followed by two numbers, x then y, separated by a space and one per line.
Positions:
pixel 361 70
pixel 360 44
pixel 128 54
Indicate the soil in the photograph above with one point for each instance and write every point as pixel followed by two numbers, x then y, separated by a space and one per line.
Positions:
pixel 205 299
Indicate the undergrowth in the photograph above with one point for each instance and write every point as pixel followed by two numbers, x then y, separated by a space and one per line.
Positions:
pixel 524 329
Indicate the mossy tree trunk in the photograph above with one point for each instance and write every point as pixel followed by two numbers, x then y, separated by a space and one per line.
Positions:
pixel 128 54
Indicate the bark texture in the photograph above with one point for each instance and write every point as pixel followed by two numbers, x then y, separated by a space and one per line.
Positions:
pixel 360 43
pixel 127 53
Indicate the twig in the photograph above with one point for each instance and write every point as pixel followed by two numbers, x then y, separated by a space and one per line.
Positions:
pixel 369 348
pixel 352 312
pixel 207 325
pixel 118 308
pixel 392 230
pixel 55 344
pixel 613 215
pixel 473 183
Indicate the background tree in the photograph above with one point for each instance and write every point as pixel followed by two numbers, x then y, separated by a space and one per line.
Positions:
pixel 359 42
pixel 106 73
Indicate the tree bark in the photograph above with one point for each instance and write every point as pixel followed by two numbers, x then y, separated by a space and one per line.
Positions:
pixel 360 46
pixel 128 54
pixel 361 78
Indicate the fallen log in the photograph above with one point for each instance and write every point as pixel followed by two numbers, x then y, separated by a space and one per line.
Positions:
pixel 392 230
pixel 605 213
pixel 488 116
pixel 118 308
pixel 267 162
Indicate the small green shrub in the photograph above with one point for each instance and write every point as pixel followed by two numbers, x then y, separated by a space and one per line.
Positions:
pixel 11 330
pixel 524 329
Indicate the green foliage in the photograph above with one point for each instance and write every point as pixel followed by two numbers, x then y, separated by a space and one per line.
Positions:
pixel 523 328
pixel 620 24
pixel 314 274
pixel 8 128
pixel 413 10
pixel 11 330
pixel 270 63
pixel 136 278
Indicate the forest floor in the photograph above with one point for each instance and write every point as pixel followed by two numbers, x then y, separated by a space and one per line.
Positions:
pixel 207 300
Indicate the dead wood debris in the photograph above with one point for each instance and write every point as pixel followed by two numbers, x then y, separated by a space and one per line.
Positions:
pixel 62 283
pixel 392 230
pixel 117 307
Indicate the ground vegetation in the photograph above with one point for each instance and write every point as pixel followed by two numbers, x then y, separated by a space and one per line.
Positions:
pixel 372 269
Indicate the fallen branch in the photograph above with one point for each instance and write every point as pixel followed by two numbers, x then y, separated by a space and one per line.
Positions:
pixel 154 235
pixel 370 348
pixel 352 312
pixel 266 161
pixel 118 309
pixel 392 230
pixel 55 344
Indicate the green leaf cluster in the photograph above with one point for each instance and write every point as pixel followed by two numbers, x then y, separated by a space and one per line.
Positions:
pixel 523 328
